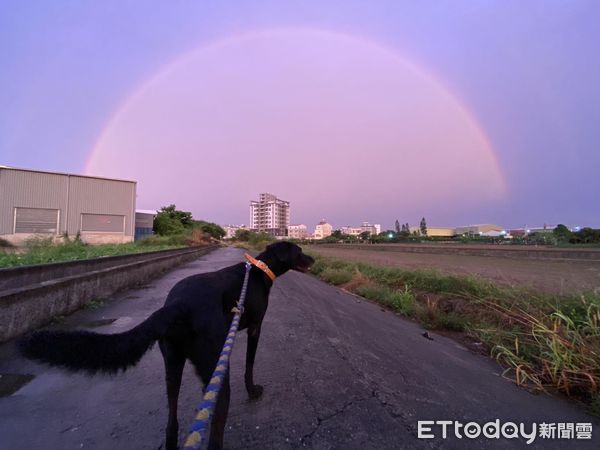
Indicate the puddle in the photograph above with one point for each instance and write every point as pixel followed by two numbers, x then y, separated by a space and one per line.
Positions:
pixel 12 382
pixel 100 322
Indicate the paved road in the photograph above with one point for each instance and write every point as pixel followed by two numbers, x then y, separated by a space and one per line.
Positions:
pixel 338 373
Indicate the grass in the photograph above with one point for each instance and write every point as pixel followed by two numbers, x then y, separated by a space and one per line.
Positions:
pixel 336 276
pixel 545 342
pixel 94 304
pixel 579 245
pixel 40 251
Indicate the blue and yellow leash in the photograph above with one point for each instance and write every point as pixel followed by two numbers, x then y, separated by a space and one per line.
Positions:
pixel 201 425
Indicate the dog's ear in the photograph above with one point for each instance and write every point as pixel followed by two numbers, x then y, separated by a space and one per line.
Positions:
pixel 283 251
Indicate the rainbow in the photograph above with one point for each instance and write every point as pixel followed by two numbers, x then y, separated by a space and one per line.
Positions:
pixel 104 155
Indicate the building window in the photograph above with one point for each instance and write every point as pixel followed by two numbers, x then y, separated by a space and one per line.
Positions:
pixel 36 220
pixel 102 223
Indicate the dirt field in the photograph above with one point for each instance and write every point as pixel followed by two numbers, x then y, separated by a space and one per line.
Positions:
pixel 556 276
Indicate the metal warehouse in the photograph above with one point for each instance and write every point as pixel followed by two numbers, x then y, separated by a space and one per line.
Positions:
pixel 47 204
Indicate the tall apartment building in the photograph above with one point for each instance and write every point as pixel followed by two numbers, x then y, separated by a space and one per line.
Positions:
pixel 270 215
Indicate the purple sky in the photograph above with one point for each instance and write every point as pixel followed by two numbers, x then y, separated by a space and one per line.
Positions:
pixel 462 112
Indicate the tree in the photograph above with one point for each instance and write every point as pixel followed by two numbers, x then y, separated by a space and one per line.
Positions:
pixel 562 233
pixel 398 226
pixel 170 221
pixel 185 217
pixel 387 236
pixel 210 228
pixel 586 235
pixel 337 234
pixel 242 235
pixel 423 227
pixel 166 226
pixel 364 235
pixel 405 230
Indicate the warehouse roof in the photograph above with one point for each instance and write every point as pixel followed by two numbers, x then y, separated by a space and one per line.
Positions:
pixel 66 174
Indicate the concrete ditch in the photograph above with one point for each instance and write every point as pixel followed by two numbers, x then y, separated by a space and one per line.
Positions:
pixel 32 296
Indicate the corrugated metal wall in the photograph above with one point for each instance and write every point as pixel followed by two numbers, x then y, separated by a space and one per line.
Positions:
pixel 20 188
pixel 71 194
pixel 98 196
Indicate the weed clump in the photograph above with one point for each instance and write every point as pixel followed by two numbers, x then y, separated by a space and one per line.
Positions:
pixel 336 276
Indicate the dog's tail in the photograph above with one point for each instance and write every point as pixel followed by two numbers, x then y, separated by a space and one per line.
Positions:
pixel 94 352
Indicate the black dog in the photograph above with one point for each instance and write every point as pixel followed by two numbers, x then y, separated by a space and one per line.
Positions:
pixel 192 325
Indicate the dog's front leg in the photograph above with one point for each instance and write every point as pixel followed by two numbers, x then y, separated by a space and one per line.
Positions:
pixel 254 390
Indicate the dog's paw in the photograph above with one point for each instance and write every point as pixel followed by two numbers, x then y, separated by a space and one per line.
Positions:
pixel 255 391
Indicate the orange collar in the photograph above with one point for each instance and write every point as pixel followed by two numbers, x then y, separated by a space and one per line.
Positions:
pixel 261 265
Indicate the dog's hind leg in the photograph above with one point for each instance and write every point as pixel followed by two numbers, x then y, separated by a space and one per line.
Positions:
pixel 217 428
pixel 205 360
pixel 174 360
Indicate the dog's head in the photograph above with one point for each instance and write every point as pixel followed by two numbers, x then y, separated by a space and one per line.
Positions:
pixel 283 256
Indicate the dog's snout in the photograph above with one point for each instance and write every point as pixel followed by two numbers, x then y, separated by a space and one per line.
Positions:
pixel 307 261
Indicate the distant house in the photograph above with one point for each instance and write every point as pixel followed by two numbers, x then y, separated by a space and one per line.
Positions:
pixel 435 231
pixel 230 230
pixel 543 229
pixel 373 229
pixel 351 231
pixel 144 223
pixel 486 229
pixel 299 231
pixel 322 230
pixel 517 232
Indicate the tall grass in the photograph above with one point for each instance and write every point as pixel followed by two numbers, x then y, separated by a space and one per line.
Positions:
pixel 544 341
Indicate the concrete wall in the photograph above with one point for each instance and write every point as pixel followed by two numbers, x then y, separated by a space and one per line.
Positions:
pixel 32 305
pixel 16 277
